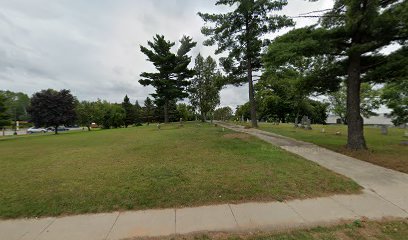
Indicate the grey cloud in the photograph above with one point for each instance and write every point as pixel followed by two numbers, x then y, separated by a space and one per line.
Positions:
pixel 92 47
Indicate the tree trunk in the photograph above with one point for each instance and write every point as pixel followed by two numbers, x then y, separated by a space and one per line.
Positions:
pixel 203 118
pixel 166 111
pixel 297 119
pixel 252 102
pixel 56 129
pixel 355 139
pixel 89 127
pixel 249 72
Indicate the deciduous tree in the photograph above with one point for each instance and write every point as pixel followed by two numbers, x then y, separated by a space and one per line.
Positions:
pixel 85 112
pixel 4 117
pixel 369 101
pixel 52 108
pixel 223 113
pixel 205 86
pixel 395 96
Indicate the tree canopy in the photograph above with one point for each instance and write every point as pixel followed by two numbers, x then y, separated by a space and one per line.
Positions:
pixel 395 96
pixel 171 78
pixel 347 41
pixel 52 108
pixel 369 101
pixel 205 86
pixel 239 32
pixel 4 117
pixel 129 118
pixel 17 104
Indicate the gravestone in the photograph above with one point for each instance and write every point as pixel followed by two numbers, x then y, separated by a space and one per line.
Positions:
pixel 306 123
pixel 181 122
pixel 158 126
pixel 406 134
pixel 323 130
pixel 384 130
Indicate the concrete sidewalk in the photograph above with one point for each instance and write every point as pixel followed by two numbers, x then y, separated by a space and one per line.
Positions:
pixel 388 184
pixel 385 195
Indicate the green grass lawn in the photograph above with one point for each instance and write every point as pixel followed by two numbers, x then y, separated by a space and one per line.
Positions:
pixel 388 230
pixel 143 167
pixel 384 150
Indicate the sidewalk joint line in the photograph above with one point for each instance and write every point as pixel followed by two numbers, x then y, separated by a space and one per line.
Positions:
pixel 343 205
pixel 300 215
pixel 175 221
pixel 233 215
pixel 390 202
pixel 111 228
pixel 23 235
pixel 45 228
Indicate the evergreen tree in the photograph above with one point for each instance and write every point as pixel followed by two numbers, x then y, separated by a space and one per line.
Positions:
pixel 205 86
pixel 52 108
pixel 4 117
pixel 137 114
pixel 171 78
pixel 349 38
pixel 148 110
pixel 240 33
pixel 129 118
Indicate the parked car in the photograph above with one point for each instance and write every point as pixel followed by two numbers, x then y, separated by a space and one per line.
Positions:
pixel 60 129
pixel 36 130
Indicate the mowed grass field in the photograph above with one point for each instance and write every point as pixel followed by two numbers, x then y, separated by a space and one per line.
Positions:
pixel 143 168
pixel 384 150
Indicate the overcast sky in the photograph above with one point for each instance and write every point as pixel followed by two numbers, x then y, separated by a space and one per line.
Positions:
pixel 92 47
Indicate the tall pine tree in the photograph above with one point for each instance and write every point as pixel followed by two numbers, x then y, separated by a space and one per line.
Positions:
pixel 148 110
pixel 240 32
pixel 171 78
pixel 129 112
pixel 349 38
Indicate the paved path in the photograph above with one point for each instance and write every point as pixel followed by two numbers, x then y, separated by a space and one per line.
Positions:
pixel 385 195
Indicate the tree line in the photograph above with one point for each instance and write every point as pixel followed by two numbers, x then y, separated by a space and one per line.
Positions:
pixel 52 108
pixel 339 57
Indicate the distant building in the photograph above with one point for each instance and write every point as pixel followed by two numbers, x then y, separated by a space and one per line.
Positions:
pixel 381 119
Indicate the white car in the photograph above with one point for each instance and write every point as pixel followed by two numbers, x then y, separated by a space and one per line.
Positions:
pixel 36 130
